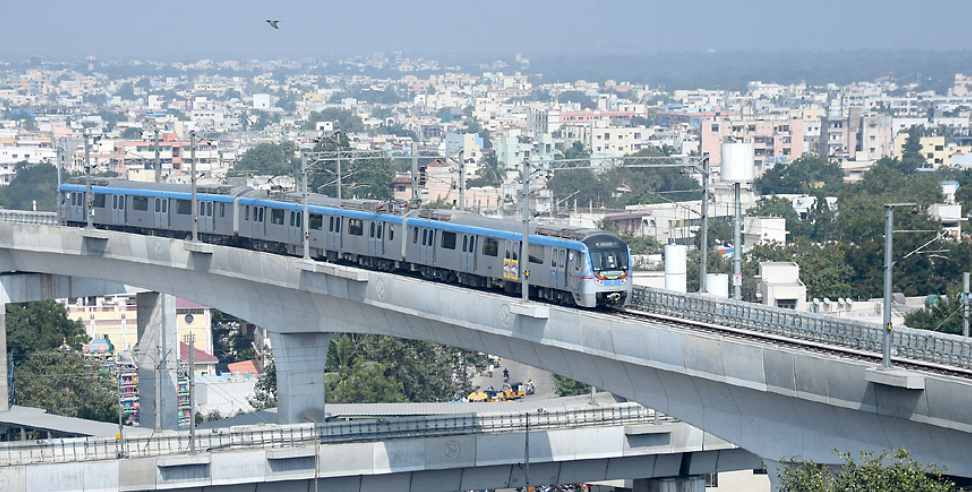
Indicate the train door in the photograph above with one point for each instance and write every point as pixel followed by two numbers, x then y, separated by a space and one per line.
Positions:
pixel 575 270
pixel 118 209
pixel 158 217
pixel 558 269
pixel 333 233
pixel 469 253
pixel 377 242
pixel 511 260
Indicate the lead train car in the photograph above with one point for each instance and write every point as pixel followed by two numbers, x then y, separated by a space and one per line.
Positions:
pixel 581 267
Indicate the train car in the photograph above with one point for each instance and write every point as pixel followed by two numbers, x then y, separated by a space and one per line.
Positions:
pixel 582 267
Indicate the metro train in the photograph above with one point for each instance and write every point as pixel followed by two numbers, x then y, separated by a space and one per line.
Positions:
pixel 567 266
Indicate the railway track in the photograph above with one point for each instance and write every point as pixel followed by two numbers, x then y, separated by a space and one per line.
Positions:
pixel 794 343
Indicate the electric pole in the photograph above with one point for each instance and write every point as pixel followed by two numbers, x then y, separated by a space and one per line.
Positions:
pixel 192 178
pixel 158 158
pixel 416 202
pixel 191 341
pixel 88 191
pixel 704 236
pixel 965 304
pixel 525 243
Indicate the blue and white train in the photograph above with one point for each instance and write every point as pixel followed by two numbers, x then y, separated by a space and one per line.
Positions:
pixel 582 267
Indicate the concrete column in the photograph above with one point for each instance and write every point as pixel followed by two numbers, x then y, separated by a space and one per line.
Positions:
pixel 4 389
pixel 157 328
pixel 299 360
pixel 672 484
pixel 774 471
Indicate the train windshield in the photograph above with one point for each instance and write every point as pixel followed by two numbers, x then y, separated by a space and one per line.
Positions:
pixel 609 259
pixel 607 253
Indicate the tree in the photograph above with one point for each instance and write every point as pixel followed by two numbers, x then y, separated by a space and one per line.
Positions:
pixel 32 183
pixel 343 120
pixel 126 91
pixel 911 156
pixel 265 389
pixel 268 159
pixel 806 174
pixel 41 326
pixel 565 386
pixel 131 133
pixel 489 172
pixel 64 382
pixel 579 97
pixel 885 472
pixel 366 382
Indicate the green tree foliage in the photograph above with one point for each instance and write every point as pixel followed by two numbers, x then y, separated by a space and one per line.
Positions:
pixel 41 326
pixel 343 120
pixel 806 174
pixel 885 472
pixel 126 91
pixel 363 177
pixel 489 172
pixel 424 371
pixel 265 390
pixel 268 159
pixel 33 182
pixel 365 382
pixel 911 156
pixel 565 386
pixel 64 382
pixel 631 185
pixel 131 133
pixel 577 97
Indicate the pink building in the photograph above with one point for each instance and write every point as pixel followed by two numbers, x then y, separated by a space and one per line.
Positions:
pixel 774 139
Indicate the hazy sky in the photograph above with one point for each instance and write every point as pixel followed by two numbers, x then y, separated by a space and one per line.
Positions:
pixel 220 28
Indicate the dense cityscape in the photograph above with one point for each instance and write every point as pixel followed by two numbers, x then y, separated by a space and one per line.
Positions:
pixel 638 272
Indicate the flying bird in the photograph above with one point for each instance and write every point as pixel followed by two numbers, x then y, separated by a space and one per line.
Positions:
pixel 274 23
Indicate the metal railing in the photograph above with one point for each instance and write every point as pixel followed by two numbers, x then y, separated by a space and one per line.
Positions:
pixel 28 217
pixel 906 343
pixel 283 436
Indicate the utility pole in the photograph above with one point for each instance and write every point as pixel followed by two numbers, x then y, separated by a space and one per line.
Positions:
pixel 965 304
pixel 306 213
pixel 88 191
pixel 888 271
pixel 737 246
pixel 526 451
pixel 462 181
pixel 525 243
pixel 191 341
pixel 160 367
pixel 704 237
pixel 415 177
pixel 192 177
pixel 339 178
pixel 121 409
pixel 158 158
pixel 58 158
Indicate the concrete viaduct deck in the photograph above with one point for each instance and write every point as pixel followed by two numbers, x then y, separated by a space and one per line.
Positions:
pixel 776 400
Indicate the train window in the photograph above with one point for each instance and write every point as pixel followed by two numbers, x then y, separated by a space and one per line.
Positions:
pixel 415 235
pixel 209 209
pixel 425 237
pixel 491 247
pixel 121 202
pixel 574 259
pixel 141 203
pixel 114 201
pixel 317 222
pixel 391 233
pixel 536 254
pixel 165 205
pixel 276 216
pixel 355 227
pixel 448 240
pixel 246 212
pixel 183 207
pixel 330 224
pixel 260 214
pixel 293 219
pixel 381 225
pixel 472 244
pixel 158 205
pixel 371 233
pixel 100 200
pixel 339 220
pixel 465 243
pixel 300 220
pixel 222 209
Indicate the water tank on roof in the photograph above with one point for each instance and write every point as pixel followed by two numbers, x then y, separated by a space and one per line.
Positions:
pixel 717 285
pixel 738 163
pixel 676 270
